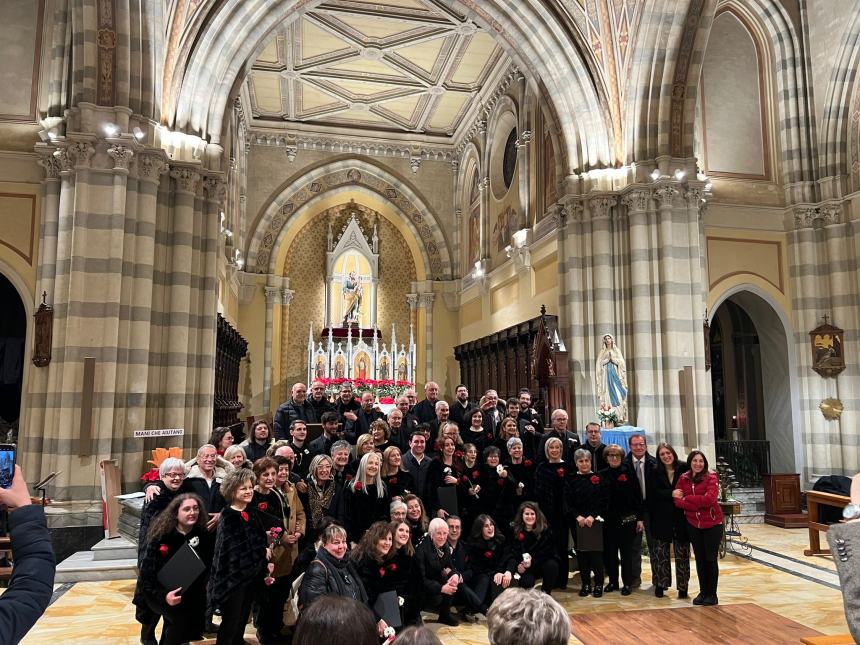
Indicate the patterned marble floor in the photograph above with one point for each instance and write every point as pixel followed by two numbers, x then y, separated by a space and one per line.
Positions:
pixel 101 612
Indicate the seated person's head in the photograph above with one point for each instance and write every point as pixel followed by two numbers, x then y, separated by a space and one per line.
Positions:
pixel 336 619
pixel 527 616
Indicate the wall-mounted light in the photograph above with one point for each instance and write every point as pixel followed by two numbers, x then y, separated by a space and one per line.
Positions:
pixel 138 133
pixel 111 130
pixel 655 174
pixel 680 174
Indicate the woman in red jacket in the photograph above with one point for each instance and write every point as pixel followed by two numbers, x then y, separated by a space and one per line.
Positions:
pixel 697 493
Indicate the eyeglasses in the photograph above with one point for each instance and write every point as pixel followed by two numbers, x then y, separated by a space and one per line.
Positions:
pixel 613 456
pixel 175 475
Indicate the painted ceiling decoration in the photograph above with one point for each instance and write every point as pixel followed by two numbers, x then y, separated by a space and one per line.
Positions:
pixel 392 65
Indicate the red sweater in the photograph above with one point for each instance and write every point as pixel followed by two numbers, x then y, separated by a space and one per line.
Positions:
pixel 700 503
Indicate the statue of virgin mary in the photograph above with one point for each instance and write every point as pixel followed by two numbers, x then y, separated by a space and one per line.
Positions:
pixel 611 378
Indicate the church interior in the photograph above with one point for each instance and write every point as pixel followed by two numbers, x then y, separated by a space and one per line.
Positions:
pixel 204 202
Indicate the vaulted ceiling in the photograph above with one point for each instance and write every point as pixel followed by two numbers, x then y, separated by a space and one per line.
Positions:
pixel 392 65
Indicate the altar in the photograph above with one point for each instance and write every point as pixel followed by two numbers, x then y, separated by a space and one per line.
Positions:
pixel 350 346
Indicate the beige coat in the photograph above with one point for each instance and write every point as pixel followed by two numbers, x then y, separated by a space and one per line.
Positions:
pixel 295 522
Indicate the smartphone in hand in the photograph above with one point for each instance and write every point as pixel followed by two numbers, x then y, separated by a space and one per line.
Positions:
pixel 7 464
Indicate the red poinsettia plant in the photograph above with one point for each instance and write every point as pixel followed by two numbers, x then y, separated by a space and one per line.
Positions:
pixel 151 475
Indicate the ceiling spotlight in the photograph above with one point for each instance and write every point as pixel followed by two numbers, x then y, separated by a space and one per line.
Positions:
pixel 138 133
pixel 680 174
pixel 655 175
pixel 111 130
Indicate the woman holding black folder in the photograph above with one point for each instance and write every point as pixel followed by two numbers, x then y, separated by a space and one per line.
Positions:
pixel 585 498
pixel 183 610
pixel 374 561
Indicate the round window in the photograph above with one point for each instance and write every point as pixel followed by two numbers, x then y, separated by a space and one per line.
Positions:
pixel 509 163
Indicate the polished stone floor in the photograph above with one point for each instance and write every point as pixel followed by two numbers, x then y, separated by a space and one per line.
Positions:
pixel 776 576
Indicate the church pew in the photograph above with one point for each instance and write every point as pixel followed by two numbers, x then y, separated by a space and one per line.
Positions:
pixel 814 500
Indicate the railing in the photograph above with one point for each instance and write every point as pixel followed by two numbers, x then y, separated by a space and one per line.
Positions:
pixel 748 459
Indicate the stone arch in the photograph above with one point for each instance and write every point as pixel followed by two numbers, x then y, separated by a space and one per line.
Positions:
pixel 27 298
pixel 779 356
pixel 199 102
pixel 343 175
pixel 840 131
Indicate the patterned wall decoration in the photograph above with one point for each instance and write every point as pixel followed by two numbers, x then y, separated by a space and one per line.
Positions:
pixel 107 53
pixel 305 266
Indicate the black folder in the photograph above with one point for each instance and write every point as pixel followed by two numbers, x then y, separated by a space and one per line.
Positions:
pixel 182 569
pixel 387 607
pixel 589 538
pixel 448 499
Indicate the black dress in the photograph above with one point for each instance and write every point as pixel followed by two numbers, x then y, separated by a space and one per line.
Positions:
pixel 377 577
pixel 183 622
pixel 399 484
pixel 486 559
pixel 361 508
pixel 541 548
pixel 586 495
pixel 550 481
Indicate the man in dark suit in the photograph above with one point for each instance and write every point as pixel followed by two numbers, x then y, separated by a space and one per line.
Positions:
pixel 527 412
pixel 331 432
pixel 296 408
pixel 319 401
pixel 460 407
pixel 410 421
pixel 346 405
pixel 643 465
pixel 569 440
pixel 594 444
pixel 418 465
pixel 425 411
pixel 366 415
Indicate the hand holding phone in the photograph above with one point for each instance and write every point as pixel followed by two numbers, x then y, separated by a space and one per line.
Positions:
pixel 7 464
pixel 17 495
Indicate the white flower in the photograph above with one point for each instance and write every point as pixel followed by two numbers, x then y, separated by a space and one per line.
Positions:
pixel 521 485
pixel 389 632
pixel 400 601
pixel 599 519
pixel 500 469
pixel 526 557
pixel 447 470
pixel 516 576
pixel 194 541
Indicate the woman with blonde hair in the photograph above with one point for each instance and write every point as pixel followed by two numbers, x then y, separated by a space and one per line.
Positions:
pixel 365 499
pixel 397 479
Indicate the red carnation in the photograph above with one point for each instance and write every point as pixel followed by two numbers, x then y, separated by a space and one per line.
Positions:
pixel 381 572
pixel 622 477
pixel 521 536
pixel 488 554
pixel 475 474
pixel 458 453
pixel 244 515
pixel 393 480
pixel 489 435
pixel 358 486
pixel 528 463
pixel 392 567
pixel 595 479
pixel 560 472
pixel 465 479
pixel 501 481
pixel 263 506
pixel 164 550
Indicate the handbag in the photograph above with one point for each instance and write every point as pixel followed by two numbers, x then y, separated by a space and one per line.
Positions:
pixel 291 607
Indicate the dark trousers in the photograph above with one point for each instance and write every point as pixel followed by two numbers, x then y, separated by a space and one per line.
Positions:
pixel 184 622
pixel 548 571
pixel 663 572
pixel 443 602
pixel 637 550
pixel 148 620
pixel 706 547
pixel 561 541
pixel 590 562
pixel 234 615
pixel 270 601
pixel 619 538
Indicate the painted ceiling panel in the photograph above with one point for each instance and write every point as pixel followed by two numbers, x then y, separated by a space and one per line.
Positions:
pixel 268 91
pixel 475 58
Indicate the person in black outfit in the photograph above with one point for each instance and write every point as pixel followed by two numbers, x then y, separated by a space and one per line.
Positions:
pixel 498 496
pixel 374 560
pixel 487 559
pixel 331 573
pixel 550 478
pixel 183 520
pixel 32 583
pixel 642 463
pixel 425 411
pixel 398 481
pixel 365 416
pixel 668 523
pixel 159 495
pixel 256 445
pixel 623 519
pixel 296 408
pixel 585 497
pixel 570 440
pixel 332 431
pixel 346 405
pixel 406 580
pixel 459 409
pixel 522 468
pixel 595 446
pixel 319 401
pixel 239 562
pixel 365 500
pixel 443 584
pixel 532 551
pixel 477 433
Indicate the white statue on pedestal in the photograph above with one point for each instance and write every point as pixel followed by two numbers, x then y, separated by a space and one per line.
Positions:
pixel 611 378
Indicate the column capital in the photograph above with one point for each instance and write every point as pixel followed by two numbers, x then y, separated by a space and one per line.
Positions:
pixel 215 186
pixel 187 179
pixel 666 195
pixel 81 152
pixel 425 300
pixel 151 165
pixel 121 156
pixel 412 299
pixel 51 165
pixel 601 207
pixel 637 201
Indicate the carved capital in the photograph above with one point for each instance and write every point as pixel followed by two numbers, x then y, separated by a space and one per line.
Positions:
pixel 187 180
pixel 665 195
pixel 121 156
pixel 292 151
pixel 65 161
pixel 273 295
pixel 637 201
pixel 415 164
pixel 82 153
pixel 831 214
pixel 805 216
pixel 51 165
pixel 601 207
pixel 694 197
pixel 412 299
pixel 287 296
pixel 526 137
pixel 484 183
pixel 455 165
pixel 426 300
pixel 150 166
pixel 215 187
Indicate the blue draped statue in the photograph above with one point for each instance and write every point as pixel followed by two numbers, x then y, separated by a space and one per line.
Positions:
pixel 611 378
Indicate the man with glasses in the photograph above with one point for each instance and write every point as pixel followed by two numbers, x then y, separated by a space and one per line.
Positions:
pixel 643 465
pixel 297 407
pixel 594 444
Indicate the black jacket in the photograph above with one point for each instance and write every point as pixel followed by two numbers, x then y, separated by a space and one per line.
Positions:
pixel 431 566
pixel 550 482
pixel 240 554
pixel 377 577
pixel 668 522
pixel 487 557
pixel 625 498
pixel 598 461
pixel 253 450
pixel 327 576
pixel 569 444
pixel 585 495
pixel 320 407
pixel 424 411
pixel 361 508
pixel 288 412
pixel 354 429
pixel 539 547
pixel 32 583
pixel 650 467
pixel 460 414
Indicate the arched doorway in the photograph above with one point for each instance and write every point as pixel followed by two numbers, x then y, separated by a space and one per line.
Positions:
pixel 13 332
pixel 754 410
